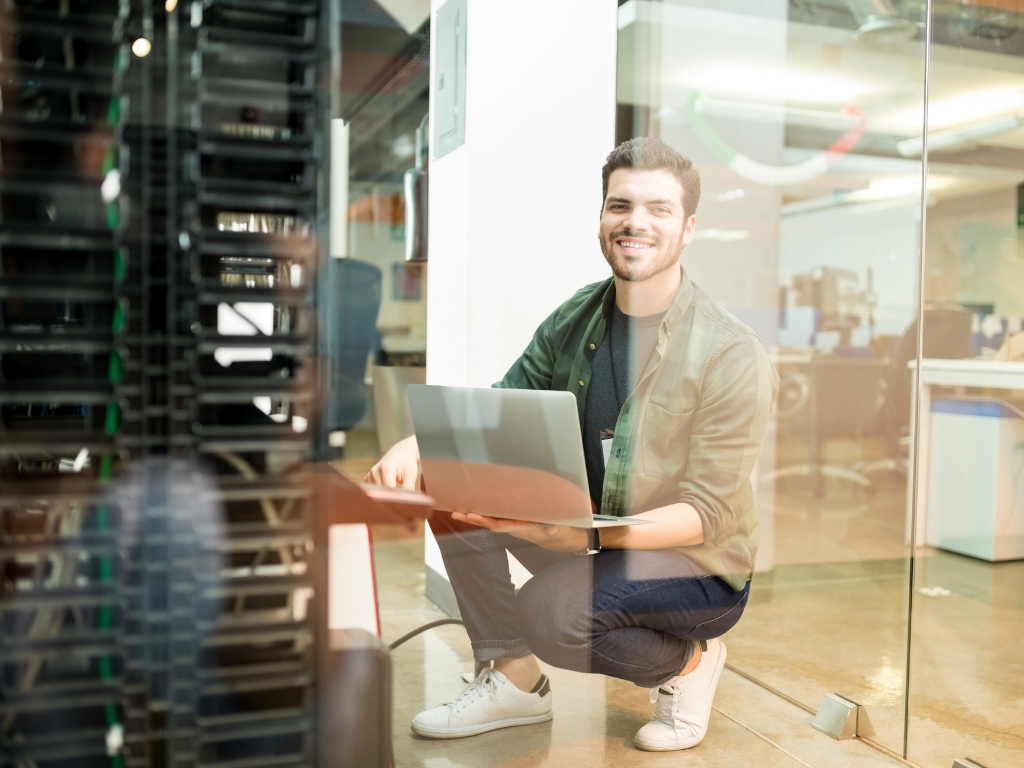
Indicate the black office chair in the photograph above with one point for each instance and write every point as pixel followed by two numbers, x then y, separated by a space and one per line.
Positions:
pixel 352 304
pixel 947 336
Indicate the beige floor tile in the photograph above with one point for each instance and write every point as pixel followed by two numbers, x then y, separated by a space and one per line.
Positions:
pixel 967 669
pixel 595 717
pixel 831 617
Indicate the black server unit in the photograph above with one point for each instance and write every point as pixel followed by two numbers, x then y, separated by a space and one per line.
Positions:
pixel 159 254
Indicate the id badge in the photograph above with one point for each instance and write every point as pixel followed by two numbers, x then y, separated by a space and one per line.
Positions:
pixel 606 449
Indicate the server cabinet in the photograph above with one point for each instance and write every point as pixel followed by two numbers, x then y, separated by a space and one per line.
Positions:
pixel 158 265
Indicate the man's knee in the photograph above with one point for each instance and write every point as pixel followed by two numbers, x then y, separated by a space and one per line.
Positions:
pixel 552 621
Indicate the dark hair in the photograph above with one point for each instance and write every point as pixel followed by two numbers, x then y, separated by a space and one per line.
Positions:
pixel 649 153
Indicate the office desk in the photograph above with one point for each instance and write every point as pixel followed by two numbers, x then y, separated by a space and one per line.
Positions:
pixel 991 374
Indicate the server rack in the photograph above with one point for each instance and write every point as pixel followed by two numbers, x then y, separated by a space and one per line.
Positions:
pixel 158 266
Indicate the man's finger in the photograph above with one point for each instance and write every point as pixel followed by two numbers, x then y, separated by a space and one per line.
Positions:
pixel 409 480
pixel 388 476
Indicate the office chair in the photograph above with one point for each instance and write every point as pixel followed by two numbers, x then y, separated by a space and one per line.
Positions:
pixel 839 397
pixel 350 333
pixel 947 336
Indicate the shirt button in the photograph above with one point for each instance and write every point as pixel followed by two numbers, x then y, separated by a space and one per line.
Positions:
pixel 593 346
pixel 581 383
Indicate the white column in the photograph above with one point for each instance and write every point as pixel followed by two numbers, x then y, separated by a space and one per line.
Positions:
pixel 514 211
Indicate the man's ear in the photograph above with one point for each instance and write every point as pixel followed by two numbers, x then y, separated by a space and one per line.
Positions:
pixel 689 228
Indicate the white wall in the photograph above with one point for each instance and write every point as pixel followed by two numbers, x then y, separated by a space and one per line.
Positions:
pixel 514 211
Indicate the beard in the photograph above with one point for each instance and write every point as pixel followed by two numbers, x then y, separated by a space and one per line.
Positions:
pixel 636 269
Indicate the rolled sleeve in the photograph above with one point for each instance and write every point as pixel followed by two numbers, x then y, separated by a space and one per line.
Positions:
pixel 727 430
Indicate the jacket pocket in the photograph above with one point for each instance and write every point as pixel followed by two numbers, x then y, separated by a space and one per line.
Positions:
pixel 666 441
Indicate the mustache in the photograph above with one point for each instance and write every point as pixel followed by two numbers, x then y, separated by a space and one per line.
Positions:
pixel 628 232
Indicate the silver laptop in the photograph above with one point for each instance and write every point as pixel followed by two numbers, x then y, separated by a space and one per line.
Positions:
pixel 510 453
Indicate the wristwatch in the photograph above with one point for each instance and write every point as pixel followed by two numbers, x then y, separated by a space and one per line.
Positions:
pixel 593 543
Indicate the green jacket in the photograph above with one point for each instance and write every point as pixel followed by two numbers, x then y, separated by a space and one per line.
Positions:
pixel 692 429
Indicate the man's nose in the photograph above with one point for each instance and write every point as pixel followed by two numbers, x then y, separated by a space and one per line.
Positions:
pixel 638 219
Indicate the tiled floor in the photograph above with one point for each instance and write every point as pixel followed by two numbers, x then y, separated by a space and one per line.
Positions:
pixel 595 717
pixel 831 616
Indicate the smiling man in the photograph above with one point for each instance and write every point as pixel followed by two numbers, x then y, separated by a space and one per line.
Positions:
pixel 675 395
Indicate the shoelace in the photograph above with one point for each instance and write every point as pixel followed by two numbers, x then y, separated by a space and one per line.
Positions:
pixel 485 685
pixel 663 712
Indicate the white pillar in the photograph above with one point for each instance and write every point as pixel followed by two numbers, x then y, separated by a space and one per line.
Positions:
pixel 514 211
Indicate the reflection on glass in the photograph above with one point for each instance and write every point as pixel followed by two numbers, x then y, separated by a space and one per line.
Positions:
pixel 965 677
pixel 809 231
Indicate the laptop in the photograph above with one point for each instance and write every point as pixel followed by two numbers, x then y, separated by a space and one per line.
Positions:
pixel 509 453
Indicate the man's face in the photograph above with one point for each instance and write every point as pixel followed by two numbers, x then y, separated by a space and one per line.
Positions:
pixel 643 225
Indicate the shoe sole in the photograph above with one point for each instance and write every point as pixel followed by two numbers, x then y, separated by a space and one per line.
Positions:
pixel 462 733
pixel 707 716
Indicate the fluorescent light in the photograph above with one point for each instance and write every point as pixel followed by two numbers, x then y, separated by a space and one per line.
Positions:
pixel 746 110
pixel 768 84
pixel 894 190
pixel 969 107
pixel 722 235
pixel 141 47
pixel 959 137
pixel 732 194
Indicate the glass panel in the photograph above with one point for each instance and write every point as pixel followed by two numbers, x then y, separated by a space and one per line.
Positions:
pixel 808 230
pixel 966 675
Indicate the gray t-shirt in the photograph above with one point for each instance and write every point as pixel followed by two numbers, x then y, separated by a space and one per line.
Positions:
pixel 616 367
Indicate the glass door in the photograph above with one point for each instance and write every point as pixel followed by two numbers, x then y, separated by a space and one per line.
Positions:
pixel 966 674
pixel 809 231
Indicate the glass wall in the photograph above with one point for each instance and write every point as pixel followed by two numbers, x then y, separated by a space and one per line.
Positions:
pixel 806 121
pixel 966 675
pixel 809 231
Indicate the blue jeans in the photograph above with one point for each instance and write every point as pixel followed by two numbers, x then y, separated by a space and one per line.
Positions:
pixel 630 614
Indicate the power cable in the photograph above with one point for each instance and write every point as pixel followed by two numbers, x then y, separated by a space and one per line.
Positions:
pixel 424 628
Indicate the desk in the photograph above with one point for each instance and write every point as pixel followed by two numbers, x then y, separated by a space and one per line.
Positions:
pixel 991 374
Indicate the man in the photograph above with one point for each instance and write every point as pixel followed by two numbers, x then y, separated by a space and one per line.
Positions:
pixel 674 397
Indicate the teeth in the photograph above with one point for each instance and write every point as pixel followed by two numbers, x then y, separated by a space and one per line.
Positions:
pixel 630 244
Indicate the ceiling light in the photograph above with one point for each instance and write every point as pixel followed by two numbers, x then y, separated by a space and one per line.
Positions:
pixel 969 107
pixel 170 5
pixel 768 84
pixel 141 47
pixel 960 137
pixel 722 235
pixel 749 110
pixel 730 195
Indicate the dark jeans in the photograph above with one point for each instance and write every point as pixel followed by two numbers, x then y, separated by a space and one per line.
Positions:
pixel 630 614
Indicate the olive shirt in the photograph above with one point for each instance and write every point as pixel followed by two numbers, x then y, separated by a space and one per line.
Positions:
pixel 692 429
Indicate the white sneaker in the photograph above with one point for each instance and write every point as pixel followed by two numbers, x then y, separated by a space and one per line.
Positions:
pixel 684 705
pixel 489 703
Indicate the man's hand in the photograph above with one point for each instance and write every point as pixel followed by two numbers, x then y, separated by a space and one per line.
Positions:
pixel 399 467
pixel 557 538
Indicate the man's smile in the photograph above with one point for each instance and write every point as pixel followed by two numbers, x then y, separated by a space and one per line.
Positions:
pixel 631 244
